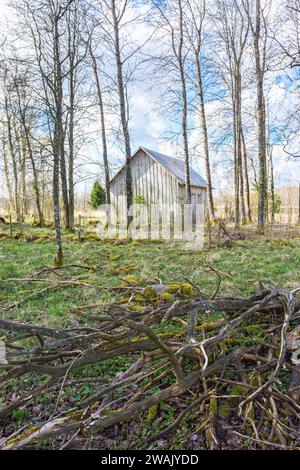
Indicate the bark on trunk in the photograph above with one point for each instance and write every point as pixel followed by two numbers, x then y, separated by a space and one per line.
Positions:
pixel 25 208
pixel 6 173
pixel 59 124
pixel 239 140
pixel 123 114
pixel 14 163
pixel 184 104
pixel 237 215
pixel 272 188
pixel 71 145
pixel 35 180
pixel 71 170
pixel 63 175
pixel 27 147
pixel 205 138
pixel 58 144
pixel 103 128
pixel 261 124
pixel 246 178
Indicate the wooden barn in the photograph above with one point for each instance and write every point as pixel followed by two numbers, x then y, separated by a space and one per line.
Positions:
pixel 156 179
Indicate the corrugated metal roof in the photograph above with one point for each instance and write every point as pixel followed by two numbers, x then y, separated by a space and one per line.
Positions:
pixel 176 167
pixel 173 166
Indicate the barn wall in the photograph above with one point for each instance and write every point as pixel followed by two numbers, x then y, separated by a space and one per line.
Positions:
pixel 155 184
pixel 198 194
pixel 118 197
pixel 149 180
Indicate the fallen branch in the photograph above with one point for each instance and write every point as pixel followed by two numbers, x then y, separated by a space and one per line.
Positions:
pixel 208 362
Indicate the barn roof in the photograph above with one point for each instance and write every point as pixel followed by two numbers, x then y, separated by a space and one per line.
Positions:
pixel 176 168
pixel 173 166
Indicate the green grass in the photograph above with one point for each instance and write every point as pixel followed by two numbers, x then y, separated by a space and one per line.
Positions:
pixel 245 262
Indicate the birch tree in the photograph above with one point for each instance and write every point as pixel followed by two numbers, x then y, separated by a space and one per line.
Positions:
pixel 233 31
pixel 195 17
pixel 116 20
pixel 99 91
pixel 10 144
pixel 26 116
pixel 258 27
pixel 171 21
pixel 44 22
pixel 110 21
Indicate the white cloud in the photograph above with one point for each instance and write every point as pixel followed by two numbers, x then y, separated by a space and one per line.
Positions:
pixel 148 125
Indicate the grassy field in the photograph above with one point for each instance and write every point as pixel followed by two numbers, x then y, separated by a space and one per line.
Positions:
pixel 245 262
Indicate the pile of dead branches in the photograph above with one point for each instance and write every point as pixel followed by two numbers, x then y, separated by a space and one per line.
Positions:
pixel 235 390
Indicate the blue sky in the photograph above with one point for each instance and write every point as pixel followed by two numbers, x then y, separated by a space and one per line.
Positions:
pixel 149 126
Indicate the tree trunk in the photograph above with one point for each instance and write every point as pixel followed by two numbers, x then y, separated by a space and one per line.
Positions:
pixel 25 208
pixel 272 187
pixel 123 114
pixel 261 125
pixel 6 173
pixel 299 204
pixel 59 124
pixel 20 149
pixel 27 147
pixel 71 170
pixel 103 129
pixel 246 177
pixel 237 216
pixel 239 140
pixel 188 192
pixel 71 145
pixel 35 175
pixel 56 209
pixel 63 175
pixel 58 147
pixel 205 138
pixel 14 163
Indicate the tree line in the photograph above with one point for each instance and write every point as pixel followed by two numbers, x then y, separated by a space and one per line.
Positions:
pixel 69 75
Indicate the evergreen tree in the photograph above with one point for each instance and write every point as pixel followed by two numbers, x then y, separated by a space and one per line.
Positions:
pixel 97 196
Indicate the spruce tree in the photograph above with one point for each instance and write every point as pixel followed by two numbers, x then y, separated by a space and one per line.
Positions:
pixel 97 196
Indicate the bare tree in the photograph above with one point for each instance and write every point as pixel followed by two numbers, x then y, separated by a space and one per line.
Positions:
pixel 234 33
pixel 44 23
pixel 172 20
pixel 196 12
pixel 76 39
pixel 258 25
pixel 112 16
pixel 246 177
pixel 102 119
pixel 26 115
pixel 72 42
pixel 11 143
pixel 291 43
pixel 114 19
pixel 6 168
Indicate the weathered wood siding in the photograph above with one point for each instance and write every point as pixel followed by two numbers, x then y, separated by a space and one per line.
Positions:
pixel 198 194
pixel 154 183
